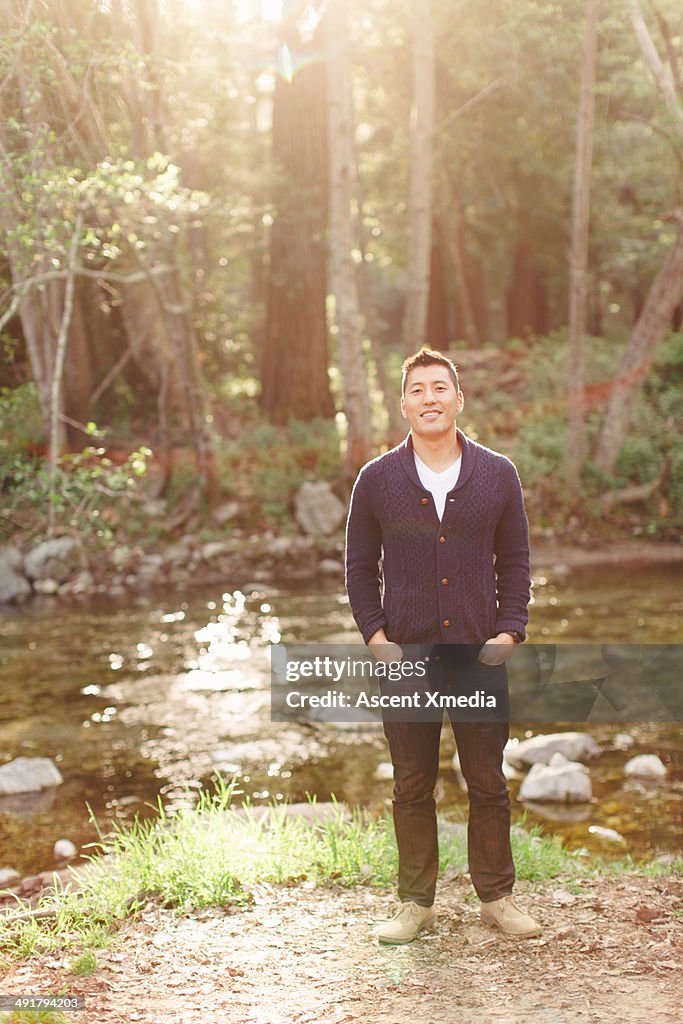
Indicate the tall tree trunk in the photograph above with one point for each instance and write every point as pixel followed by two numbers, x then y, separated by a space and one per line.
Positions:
pixel 421 160
pixel 78 384
pixel 438 334
pixel 56 432
pixel 466 328
pixel 578 284
pixel 395 422
pixel 294 377
pixel 342 269
pixel 664 295
pixel 527 300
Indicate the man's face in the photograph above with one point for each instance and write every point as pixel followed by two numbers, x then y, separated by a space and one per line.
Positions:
pixel 430 402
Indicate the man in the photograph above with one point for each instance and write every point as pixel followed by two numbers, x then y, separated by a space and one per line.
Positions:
pixel 445 518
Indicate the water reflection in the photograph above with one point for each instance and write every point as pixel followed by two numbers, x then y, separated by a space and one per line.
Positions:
pixel 154 699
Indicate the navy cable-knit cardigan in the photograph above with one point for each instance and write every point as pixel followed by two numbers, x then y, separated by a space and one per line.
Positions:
pixel 427 581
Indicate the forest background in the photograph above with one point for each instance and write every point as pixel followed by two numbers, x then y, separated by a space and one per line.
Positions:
pixel 223 224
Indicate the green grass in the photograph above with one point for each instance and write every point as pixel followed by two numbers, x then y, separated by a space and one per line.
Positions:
pixel 35 1017
pixel 210 855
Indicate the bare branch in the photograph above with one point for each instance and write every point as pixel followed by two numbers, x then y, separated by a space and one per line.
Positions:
pixel 670 49
pixel 58 369
pixel 637 492
pixel 674 143
pixel 111 375
pixel 17 47
pixel 659 71
pixel 10 312
pixel 469 104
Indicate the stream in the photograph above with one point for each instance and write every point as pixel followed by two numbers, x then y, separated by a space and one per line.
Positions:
pixel 146 698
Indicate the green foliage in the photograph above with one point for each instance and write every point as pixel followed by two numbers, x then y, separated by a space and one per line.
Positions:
pixel 36 1017
pixel 214 855
pixel 84 964
pixel 89 492
pixel 211 855
pixel 265 466
pixel 21 424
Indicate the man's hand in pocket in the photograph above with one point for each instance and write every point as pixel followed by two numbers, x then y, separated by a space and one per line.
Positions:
pixel 497 649
pixel 383 649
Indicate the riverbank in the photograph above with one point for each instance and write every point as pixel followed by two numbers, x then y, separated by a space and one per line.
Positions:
pixel 305 955
pixel 66 569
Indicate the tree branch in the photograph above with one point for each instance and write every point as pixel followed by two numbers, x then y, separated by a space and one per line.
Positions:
pixel 469 104
pixel 111 375
pixel 660 131
pixel 659 71
pixel 637 492
pixel 58 369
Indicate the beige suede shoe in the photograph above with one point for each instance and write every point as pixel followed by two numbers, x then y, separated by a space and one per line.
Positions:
pixel 506 915
pixel 408 920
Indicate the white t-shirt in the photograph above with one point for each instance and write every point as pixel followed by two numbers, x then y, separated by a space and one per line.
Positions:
pixel 438 483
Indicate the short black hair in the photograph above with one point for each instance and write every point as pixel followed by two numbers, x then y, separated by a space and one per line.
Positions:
pixel 428 357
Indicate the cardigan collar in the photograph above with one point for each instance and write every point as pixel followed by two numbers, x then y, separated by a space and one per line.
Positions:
pixel 406 454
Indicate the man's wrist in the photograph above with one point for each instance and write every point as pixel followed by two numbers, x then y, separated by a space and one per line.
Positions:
pixel 517 637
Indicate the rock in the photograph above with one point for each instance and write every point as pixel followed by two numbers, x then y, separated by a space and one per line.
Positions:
pixel 8 876
pixel 81 583
pixel 330 567
pixel 315 813
pixel 120 557
pixel 565 782
pixel 609 834
pixel 451 831
pixel 153 559
pixel 155 508
pixel 224 513
pixel 623 741
pixel 317 509
pixel 565 813
pixel 665 858
pixel 645 766
pixel 13 584
pixel 13 557
pixel 280 545
pixel 177 554
pixel 47 586
pixel 384 772
pixel 28 775
pixel 28 805
pixel 31 884
pixel 55 559
pixel 64 849
pixel 215 549
pixel 576 746
pixel 150 567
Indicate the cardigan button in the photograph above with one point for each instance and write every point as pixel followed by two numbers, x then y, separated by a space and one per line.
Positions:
pixel 442 540
pixel 444 582
pixel 446 622
pixel 424 501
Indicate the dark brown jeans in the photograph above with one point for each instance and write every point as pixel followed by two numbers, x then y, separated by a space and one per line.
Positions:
pixel 414 749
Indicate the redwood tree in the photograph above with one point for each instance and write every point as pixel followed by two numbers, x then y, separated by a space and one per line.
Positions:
pixel 294 363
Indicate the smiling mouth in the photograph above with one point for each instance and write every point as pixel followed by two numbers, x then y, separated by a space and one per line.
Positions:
pixel 431 414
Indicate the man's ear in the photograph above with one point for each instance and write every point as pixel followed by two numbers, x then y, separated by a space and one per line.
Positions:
pixel 461 401
pixel 403 407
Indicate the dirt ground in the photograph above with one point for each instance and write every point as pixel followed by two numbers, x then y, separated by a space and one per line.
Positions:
pixel 305 955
